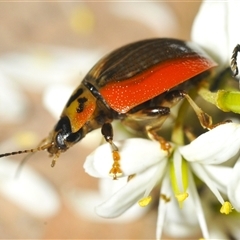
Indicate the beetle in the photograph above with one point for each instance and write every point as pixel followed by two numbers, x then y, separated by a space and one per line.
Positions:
pixel 138 84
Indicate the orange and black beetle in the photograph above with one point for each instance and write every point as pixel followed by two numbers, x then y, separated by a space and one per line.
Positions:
pixel 137 84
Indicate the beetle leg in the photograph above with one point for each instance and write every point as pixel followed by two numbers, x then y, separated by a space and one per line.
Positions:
pixel 204 119
pixel 151 117
pixel 150 113
pixel 162 114
pixel 149 120
pixel 107 132
pixel 170 100
pixel 152 134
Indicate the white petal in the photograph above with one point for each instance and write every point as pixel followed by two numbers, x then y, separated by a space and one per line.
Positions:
pixel 166 191
pixel 200 171
pixel 198 207
pixel 214 147
pixel 107 187
pixel 29 191
pixel 220 176
pixel 181 223
pixel 137 154
pixel 127 196
pixel 220 18
pixel 83 202
pixel 234 187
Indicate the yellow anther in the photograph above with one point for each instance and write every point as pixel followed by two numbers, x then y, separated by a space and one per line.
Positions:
pixel 181 197
pixel 145 201
pixel 226 208
pixel 165 198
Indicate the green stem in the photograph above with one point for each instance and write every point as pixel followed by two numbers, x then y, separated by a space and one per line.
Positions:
pixel 227 101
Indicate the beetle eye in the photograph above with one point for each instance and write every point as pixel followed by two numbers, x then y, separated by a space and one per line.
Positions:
pixel 75 137
pixel 60 142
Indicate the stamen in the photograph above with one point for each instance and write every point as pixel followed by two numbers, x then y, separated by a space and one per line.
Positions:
pixel 198 206
pixel 163 205
pixel 161 168
pixel 145 201
pixel 226 208
pixel 165 198
pixel 203 175
pixel 181 197
pixel 179 177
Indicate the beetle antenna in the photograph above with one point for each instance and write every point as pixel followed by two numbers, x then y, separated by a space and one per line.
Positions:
pixel 33 150
pixel 29 152
pixel 19 152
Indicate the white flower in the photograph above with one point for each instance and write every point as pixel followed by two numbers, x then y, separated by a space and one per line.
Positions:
pixel 149 165
pixel 215 28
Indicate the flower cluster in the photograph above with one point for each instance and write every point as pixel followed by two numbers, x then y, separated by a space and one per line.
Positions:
pixel 184 174
pixel 145 166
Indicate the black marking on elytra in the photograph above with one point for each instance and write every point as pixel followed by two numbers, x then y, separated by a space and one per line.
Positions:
pixel 74 96
pixel 81 102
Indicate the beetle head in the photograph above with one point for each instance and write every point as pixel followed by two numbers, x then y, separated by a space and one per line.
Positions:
pixel 58 141
pixel 62 138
